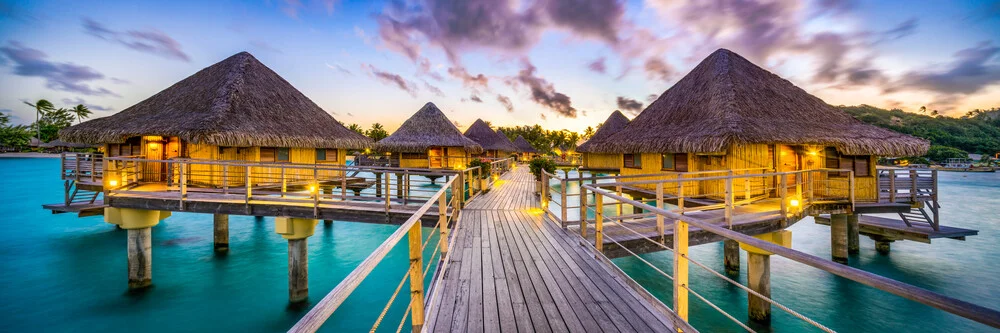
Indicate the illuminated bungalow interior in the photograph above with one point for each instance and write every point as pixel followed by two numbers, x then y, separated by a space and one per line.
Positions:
pixel 235 110
pixel 428 139
pixel 603 161
pixel 525 150
pixel 729 114
pixel 494 145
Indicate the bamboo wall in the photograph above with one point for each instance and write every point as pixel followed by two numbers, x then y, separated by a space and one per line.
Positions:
pixel 453 157
pixel 602 161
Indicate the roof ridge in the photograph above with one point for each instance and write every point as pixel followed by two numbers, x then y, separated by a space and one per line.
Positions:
pixel 731 118
pixel 222 103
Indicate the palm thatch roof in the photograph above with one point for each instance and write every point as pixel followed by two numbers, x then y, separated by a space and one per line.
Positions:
pixel 60 143
pixel 524 146
pixel 616 122
pixel 728 100
pixel 427 128
pixel 507 139
pixel 482 134
pixel 235 102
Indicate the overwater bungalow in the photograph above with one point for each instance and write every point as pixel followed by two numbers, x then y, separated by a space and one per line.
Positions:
pixel 730 114
pixel 494 145
pixel 235 110
pixel 513 150
pixel 525 150
pixel 428 139
pixel 608 162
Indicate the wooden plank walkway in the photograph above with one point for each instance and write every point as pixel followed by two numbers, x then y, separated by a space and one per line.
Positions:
pixel 895 229
pixel 512 269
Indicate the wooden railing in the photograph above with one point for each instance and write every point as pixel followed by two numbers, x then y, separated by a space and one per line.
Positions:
pixel 680 276
pixel 417 270
pixel 82 166
pixel 907 185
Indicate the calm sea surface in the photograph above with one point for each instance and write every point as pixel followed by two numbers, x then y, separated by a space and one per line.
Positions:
pixel 62 273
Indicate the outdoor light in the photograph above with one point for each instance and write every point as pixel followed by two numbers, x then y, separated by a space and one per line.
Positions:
pixel 113 182
pixel 813 153
pixel 312 188
pixel 794 202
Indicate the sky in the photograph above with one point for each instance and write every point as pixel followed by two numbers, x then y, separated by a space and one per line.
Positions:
pixel 563 64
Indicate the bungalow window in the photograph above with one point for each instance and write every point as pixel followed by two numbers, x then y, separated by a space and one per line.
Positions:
pixel 857 163
pixel 667 161
pixel 632 160
pixel 326 155
pixel 681 162
pixel 273 154
pixel 414 156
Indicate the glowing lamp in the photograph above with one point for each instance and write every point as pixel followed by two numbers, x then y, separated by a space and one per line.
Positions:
pixel 312 188
pixel 113 182
pixel 793 202
pixel 813 153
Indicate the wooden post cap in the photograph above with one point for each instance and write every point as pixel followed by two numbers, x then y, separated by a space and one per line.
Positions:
pixel 294 228
pixel 782 238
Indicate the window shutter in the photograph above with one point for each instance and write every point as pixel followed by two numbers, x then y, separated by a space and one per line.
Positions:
pixel 861 166
pixel 332 155
pixel 681 162
pixel 267 154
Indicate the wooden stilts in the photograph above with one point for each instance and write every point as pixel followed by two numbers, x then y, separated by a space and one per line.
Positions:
pixel 838 237
pixel 853 243
pixel 221 232
pixel 732 256
pixel 416 278
pixel 298 270
pixel 140 258
pixel 759 280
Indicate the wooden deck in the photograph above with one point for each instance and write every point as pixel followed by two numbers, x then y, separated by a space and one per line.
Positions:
pixel 513 269
pixel 894 229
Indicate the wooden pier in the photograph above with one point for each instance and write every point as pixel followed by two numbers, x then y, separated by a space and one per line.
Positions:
pixel 892 229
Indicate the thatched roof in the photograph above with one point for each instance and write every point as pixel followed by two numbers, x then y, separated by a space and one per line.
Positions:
pixel 235 102
pixel 59 143
pixel 507 139
pixel 427 128
pixel 524 146
pixel 728 100
pixel 616 122
pixel 482 134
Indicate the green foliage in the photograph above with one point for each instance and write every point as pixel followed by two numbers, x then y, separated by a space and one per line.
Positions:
pixel 542 139
pixel 356 128
pixel 978 131
pixel 484 167
pixel 538 164
pixel 943 153
pixel 81 112
pixel 51 122
pixel 13 135
pixel 377 132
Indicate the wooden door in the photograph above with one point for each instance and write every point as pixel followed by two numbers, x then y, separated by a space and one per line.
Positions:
pixel 435 156
pixel 789 159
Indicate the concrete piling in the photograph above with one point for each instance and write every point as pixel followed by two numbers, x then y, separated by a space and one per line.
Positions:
pixel 221 232
pixel 759 280
pixel 838 238
pixel 297 232
pixel 732 256
pixel 853 243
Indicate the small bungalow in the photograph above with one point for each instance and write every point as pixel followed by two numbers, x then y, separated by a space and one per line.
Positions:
pixel 524 148
pixel 513 150
pixel 603 161
pixel 235 110
pixel 494 146
pixel 729 114
pixel 429 140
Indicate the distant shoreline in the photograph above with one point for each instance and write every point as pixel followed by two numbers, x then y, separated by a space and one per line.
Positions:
pixel 32 155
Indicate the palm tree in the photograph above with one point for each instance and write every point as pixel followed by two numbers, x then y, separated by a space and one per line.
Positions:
pixel 81 111
pixel 377 132
pixel 41 107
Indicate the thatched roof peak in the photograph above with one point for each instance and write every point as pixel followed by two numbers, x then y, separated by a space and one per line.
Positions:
pixel 524 146
pixel 427 128
pixel 482 134
pixel 728 100
pixel 615 122
pixel 236 102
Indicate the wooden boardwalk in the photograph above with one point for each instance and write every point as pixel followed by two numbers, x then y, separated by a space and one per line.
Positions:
pixel 512 269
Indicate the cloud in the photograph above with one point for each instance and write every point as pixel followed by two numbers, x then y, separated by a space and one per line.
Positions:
pixel 150 41
pixel 78 101
pixel 116 80
pixel 505 101
pixel 629 105
pixel 969 72
pixel 424 68
pixel 265 46
pixel 542 91
pixel 476 99
pixel 598 65
pixel 435 90
pixel 652 97
pixel 657 69
pixel 596 18
pixel 293 7
pixel 339 68
pixel 61 76
pixel 393 80
pixel 901 30
pixel 469 80
pixel 542 115
pixel 350 114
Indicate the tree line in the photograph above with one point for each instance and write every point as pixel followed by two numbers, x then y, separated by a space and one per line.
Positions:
pixel 48 121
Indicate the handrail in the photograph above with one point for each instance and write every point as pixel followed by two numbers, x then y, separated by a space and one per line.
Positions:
pixel 958 307
pixel 315 318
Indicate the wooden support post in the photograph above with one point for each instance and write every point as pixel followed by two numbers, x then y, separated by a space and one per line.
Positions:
pixel 183 185
pixel 562 202
pixel 248 184
pixel 140 258
pixel 544 190
pixel 443 224
pixel 298 270
pixel 328 191
pixel 729 200
pixel 583 211
pixel 882 246
pixel 599 222
pixel 416 277
pixel 759 280
pixel 838 237
pixel 681 269
pixel 660 229
pixel 284 182
pixel 731 254
pixel 746 189
pixel 388 193
pixel 378 184
pixel 220 224
pixel 853 243
pixel 343 184
pixel 892 185
pixel 680 194
pixel 618 204
pixel 913 185
pixel 783 194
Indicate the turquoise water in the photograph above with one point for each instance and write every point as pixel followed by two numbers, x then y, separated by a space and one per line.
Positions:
pixel 62 273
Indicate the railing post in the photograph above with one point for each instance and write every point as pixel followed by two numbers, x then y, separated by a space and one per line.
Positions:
pixel 659 217
pixel 681 269
pixel 680 193
pixel 562 202
pixel 388 196
pixel 850 185
pixel 416 277
pixel 315 182
pixel 798 190
pixel 892 185
pixel 583 211
pixel 77 170
pixel 248 185
pixel 93 167
pixel 225 179
pixel 461 190
pixel 783 194
pixel 343 183
pixel 545 190
pixel 284 182
pixel 913 185
pixel 620 205
pixel 746 189
pixel 406 186
pixel 599 222
pixel 443 224
pixel 809 184
pixel 729 200
pixel 183 185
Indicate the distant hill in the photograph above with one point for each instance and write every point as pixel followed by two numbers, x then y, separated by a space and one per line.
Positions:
pixel 978 131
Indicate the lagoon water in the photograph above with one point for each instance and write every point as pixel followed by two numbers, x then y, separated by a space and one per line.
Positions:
pixel 66 274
